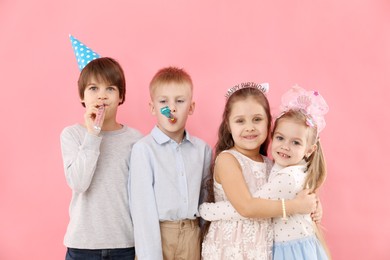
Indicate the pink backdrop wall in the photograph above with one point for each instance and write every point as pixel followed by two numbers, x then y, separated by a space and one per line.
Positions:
pixel 341 48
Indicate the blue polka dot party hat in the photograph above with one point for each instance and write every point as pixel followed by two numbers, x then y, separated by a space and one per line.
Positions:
pixel 83 54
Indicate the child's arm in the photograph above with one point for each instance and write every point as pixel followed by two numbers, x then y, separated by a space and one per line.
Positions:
pixel 143 205
pixel 285 184
pixel 206 169
pixel 228 173
pixel 224 210
pixel 221 210
pixel 80 157
pixel 280 186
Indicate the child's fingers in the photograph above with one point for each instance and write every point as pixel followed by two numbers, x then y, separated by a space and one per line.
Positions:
pixel 89 118
pixel 316 217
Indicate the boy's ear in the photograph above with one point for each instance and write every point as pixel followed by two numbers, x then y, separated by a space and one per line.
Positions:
pixel 152 108
pixel 192 108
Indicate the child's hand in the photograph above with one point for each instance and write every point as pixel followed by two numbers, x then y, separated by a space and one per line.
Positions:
pixel 316 216
pixel 93 126
pixel 306 202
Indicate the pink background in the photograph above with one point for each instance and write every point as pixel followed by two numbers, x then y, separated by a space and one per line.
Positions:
pixel 339 47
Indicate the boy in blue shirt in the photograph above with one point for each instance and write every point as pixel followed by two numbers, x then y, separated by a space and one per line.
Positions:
pixel 166 171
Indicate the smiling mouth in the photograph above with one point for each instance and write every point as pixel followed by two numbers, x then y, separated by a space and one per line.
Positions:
pixel 283 155
pixel 250 137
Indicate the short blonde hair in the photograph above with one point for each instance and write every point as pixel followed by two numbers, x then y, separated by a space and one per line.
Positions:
pixel 169 75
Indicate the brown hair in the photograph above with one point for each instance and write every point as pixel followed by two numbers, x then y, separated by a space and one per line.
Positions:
pixel 169 75
pixel 105 70
pixel 225 139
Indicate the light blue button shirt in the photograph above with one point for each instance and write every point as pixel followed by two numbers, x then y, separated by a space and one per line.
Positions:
pixel 165 183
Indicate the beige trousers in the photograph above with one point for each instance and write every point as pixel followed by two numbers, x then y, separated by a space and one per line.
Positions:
pixel 180 240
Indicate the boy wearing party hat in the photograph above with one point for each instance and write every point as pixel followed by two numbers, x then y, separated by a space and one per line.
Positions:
pixel 96 158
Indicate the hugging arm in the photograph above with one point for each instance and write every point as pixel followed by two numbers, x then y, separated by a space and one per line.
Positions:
pixel 222 210
pixel 228 173
pixel 244 205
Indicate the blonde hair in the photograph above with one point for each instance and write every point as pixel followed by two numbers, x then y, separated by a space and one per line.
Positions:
pixel 316 165
pixel 170 75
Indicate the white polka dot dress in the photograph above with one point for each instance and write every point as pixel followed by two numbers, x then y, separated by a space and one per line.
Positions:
pixel 295 237
pixel 285 183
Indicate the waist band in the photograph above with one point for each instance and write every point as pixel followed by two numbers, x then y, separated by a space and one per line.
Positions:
pixel 185 223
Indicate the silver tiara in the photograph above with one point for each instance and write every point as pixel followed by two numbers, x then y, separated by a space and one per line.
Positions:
pixel 263 87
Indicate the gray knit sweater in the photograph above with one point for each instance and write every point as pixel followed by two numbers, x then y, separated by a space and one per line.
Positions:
pixel 97 170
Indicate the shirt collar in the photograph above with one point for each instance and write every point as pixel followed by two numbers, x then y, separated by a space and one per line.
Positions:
pixel 302 164
pixel 160 137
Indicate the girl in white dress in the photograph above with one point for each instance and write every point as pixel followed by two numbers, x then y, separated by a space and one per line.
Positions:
pixel 299 163
pixel 241 164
